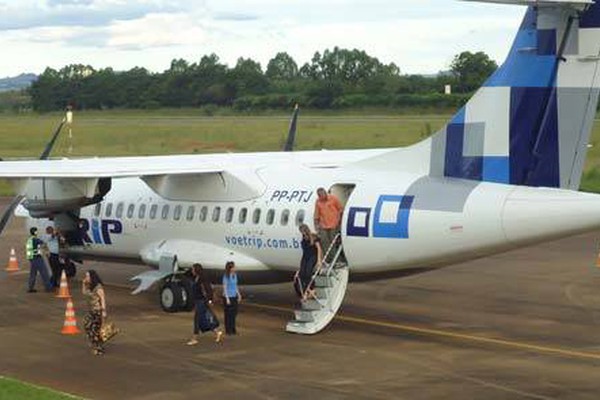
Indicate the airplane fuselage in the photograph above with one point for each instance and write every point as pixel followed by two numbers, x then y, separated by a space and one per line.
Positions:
pixel 393 222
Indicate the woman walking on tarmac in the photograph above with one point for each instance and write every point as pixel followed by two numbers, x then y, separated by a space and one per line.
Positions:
pixel 93 290
pixel 204 318
pixel 231 297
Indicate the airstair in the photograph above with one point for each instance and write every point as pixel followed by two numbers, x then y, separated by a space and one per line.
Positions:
pixel 329 284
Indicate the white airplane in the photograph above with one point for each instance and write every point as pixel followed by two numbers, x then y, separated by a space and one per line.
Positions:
pixel 503 173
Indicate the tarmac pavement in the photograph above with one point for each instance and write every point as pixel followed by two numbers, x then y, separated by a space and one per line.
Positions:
pixel 522 325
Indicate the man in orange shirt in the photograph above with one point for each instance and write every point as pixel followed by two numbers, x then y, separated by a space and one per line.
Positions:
pixel 328 215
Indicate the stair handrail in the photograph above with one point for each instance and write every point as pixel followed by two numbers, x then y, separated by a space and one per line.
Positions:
pixel 334 261
pixel 328 268
pixel 331 247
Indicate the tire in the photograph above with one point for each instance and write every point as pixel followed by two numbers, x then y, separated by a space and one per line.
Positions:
pixel 187 294
pixel 170 297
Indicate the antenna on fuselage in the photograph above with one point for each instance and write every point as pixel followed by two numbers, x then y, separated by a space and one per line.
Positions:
pixel 291 137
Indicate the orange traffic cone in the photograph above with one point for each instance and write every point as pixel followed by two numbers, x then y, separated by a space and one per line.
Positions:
pixel 13 264
pixel 70 325
pixel 63 290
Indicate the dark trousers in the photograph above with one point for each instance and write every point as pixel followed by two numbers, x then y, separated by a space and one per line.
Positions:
pixel 230 311
pixel 204 319
pixel 56 269
pixel 37 264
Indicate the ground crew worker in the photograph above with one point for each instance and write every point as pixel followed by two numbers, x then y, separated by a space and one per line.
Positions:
pixel 53 244
pixel 36 261
pixel 328 215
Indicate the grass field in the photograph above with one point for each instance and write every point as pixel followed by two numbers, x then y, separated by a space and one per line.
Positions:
pixel 11 389
pixel 117 133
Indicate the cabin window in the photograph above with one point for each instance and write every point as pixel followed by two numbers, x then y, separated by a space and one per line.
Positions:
pixel 229 215
pixel 300 217
pixel 153 210
pixel 108 210
pixel 177 213
pixel 165 212
pixel 216 214
pixel 203 213
pixel 285 217
pixel 256 216
pixel 243 215
pixel 119 210
pixel 190 213
pixel 130 210
pixel 142 211
pixel 270 216
pixel 98 209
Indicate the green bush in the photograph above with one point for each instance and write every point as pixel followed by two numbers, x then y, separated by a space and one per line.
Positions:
pixel 590 181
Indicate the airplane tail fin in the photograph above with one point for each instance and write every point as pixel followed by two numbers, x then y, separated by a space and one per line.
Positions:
pixel 530 123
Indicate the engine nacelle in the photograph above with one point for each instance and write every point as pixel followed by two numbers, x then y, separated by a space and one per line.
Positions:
pixel 48 196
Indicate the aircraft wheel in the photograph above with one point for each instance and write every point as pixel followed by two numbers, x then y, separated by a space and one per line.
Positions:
pixel 187 294
pixel 170 297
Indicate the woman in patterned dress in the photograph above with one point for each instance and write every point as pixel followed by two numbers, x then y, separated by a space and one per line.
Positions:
pixel 94 292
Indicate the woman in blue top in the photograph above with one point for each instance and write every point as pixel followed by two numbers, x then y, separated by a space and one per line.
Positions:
pixel 231 297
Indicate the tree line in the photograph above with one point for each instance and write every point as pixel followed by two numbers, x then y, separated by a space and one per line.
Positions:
pixel 338 78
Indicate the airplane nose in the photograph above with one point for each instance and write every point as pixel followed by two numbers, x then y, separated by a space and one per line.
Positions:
pixel 535 214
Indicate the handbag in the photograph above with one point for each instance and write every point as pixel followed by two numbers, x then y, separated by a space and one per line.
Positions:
pixel 108 330
pixel 211 317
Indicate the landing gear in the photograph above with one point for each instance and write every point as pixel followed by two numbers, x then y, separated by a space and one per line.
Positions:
pixel 176 295
pixel 170 297
pixel 187 294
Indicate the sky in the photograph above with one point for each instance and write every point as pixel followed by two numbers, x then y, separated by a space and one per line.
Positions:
pixel 420 36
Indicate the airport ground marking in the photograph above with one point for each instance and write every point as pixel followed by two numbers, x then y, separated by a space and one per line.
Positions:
pixel 437 332
pixel 453 335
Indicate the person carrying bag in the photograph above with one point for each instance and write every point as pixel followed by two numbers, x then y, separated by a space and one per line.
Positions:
pixel 205 319
pixel 97 328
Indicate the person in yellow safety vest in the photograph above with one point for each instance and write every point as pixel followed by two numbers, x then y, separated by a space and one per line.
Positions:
pixel 36 261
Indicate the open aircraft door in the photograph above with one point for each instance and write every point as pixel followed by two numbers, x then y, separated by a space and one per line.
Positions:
pixel 343 191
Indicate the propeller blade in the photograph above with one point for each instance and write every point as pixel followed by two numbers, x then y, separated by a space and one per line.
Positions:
pixel 46 153
pixel 8 212
pixel 17 199
pixel 291 138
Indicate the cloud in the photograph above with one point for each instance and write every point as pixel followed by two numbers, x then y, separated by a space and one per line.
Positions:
pixel 55 3
pixel 58 13
pixel 231 16
pixel 155 30
pixel 420 36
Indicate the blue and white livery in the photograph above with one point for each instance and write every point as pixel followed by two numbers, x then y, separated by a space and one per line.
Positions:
pixel 502 173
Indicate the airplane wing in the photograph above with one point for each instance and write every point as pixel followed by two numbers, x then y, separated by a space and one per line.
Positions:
pixel 111 167
pixel 61 184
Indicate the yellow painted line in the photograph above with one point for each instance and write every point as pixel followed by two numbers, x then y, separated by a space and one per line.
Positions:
pixel 438 332
pixel 453 335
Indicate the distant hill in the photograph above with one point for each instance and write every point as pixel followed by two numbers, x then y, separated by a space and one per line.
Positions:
pixel 18 82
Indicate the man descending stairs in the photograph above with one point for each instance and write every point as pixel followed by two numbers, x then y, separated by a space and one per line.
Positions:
pixel 329 287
